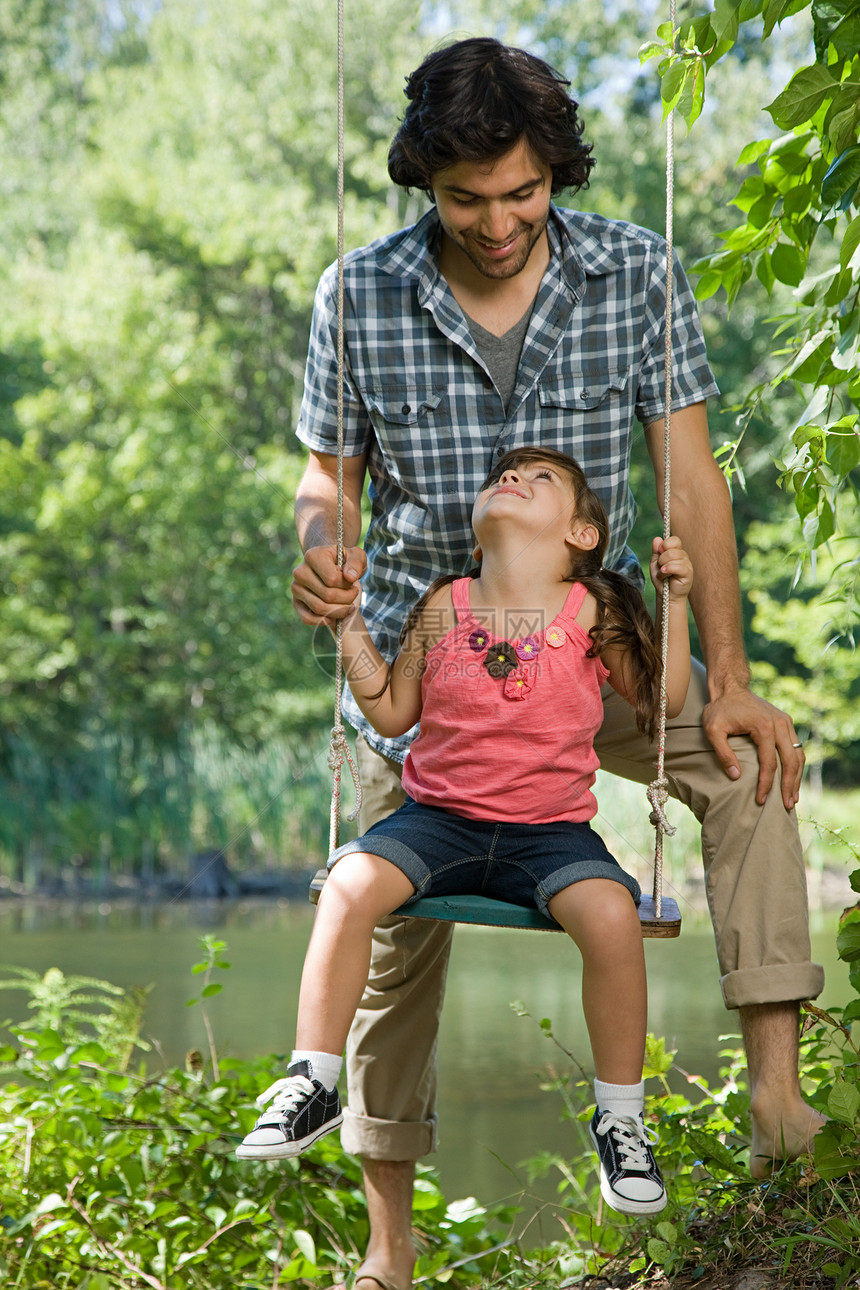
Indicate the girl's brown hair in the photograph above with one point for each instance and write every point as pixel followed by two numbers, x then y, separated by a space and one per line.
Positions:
pixel 623 620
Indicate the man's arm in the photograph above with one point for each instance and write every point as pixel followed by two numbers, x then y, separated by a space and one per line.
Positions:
pixel 702 519
pixel 321 591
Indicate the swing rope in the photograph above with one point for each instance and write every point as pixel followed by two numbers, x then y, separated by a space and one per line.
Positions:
pixel 339 750
pixel 658 789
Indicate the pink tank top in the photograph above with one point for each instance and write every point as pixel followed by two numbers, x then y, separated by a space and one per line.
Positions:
pixel 507 727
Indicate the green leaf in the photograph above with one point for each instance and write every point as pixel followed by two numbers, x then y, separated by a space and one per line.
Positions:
pixel 765 273
pixel 802 97
pixel 305 1243
pixel 837 24
pixel 724 21
pixel 671 85
pixel 788 264
pixel 709 1148
pixel 775 11
pixel 708 285
pixel 760 212
pixel 657 1060
pixel 797 200
pixel 850 242
pixel 841 180
pixel 692 98
pixel 668 1232
pixel 848 942
pixel 212 988
pixel 753 151
pixel 651 49
pixel 658 1251
pixel 843 1104
pixel 819 528
pixel 843 452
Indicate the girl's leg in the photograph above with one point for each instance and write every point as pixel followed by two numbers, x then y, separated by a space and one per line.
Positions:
pixel 360 890
pixel 303 1106
pixel 601 918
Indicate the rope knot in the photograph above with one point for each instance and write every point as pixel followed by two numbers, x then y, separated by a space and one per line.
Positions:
pixel 658 796
pixel 339 752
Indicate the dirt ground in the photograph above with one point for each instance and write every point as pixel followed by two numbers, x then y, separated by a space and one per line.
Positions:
pixel 742 1279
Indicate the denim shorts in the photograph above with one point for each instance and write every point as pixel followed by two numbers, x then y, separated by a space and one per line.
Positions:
pixel 524 864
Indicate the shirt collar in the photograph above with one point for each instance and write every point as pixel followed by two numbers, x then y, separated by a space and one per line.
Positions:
pixel 580 254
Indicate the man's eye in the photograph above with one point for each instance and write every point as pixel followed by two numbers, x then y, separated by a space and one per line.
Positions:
pixel 544 474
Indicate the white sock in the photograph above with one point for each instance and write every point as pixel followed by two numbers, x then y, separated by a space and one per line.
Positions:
pixel 324 1066
pixel 621 1099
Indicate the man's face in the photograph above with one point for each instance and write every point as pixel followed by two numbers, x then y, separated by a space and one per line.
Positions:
pixel 495 213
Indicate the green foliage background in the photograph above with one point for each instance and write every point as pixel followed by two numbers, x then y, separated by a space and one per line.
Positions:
pixel 167 202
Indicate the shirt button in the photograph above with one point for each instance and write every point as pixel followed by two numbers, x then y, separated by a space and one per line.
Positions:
pixel 406 409
pixel 583 394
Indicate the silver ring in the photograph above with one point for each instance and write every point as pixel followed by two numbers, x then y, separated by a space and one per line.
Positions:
pixel 797 745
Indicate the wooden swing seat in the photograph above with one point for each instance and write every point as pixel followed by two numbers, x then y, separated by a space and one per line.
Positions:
pixel 481 911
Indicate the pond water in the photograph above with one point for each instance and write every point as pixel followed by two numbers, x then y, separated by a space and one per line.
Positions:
pixel 493 1113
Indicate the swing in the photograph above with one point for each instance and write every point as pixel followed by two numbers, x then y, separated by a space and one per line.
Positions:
pixel 659 916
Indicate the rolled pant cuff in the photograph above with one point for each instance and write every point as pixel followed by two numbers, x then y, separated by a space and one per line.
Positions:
pixel 361 1135
pixel 775 983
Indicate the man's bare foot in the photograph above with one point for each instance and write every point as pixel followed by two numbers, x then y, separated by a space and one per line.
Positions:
pixel 780 1135
pixel 379 1280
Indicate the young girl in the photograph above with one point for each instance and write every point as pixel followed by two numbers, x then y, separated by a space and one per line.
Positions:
pixel 504 670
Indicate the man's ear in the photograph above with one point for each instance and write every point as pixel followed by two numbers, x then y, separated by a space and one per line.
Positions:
pixel 584 537
pixel 477 555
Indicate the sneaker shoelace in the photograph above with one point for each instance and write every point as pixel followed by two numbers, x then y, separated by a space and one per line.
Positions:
pixel 286 1094
pixel 631 1138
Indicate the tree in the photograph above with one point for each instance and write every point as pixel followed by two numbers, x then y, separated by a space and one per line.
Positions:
pixel 799 229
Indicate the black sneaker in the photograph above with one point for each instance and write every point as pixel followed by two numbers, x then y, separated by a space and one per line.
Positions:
pixel 630 1181
pixel 300 1110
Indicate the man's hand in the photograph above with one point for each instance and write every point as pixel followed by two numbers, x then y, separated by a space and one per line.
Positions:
pixel 322 592
pixel 740 712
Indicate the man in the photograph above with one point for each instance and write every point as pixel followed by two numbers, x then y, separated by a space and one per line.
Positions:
pixel 500 320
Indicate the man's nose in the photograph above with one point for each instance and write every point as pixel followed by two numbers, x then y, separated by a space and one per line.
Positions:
pixel 498 224
pixel 510 477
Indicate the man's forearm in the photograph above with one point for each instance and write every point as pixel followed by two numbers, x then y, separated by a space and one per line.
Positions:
pixel 707 533
pixel 316 504
pixel 702 519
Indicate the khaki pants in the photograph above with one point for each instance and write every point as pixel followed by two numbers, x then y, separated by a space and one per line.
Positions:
pixel 756 887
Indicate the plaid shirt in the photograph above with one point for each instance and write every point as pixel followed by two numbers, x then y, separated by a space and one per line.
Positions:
pixel 419 401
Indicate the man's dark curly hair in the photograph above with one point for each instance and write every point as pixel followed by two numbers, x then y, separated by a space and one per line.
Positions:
pixel 475 101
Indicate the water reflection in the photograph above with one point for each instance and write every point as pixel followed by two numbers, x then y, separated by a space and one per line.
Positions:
pixel 493 1113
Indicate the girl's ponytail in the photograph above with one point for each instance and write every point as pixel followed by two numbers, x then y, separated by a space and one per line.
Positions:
pixel 625 624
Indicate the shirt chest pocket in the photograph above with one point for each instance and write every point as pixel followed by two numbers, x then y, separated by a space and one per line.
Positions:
pixel 585 390
pixel 399 413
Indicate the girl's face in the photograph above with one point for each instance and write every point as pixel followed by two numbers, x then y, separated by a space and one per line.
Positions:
pixel 536 497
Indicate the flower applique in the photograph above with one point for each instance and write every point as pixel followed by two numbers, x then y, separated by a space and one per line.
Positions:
pixel 501 659
pixel 556 637
pixel 519 682
pixel 528 648
pixel 479 639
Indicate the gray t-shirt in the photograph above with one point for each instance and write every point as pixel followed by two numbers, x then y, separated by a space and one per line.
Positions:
pixel 501 353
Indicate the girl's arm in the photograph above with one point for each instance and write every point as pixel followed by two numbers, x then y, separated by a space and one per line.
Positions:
pixel 389 695
pixel 672 575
